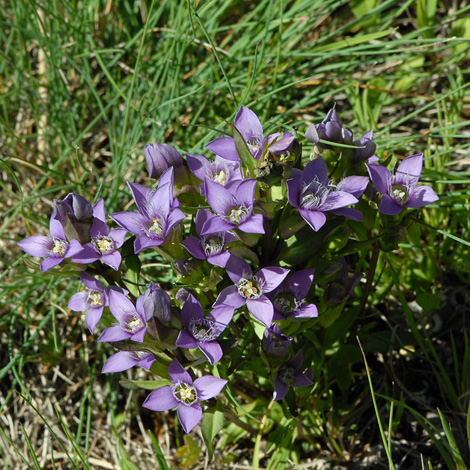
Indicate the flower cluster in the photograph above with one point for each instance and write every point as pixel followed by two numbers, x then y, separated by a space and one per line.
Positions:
pixel 245 257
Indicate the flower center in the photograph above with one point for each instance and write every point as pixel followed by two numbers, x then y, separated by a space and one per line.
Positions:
pixel 202 329
pixel 185 393
pixel 213 245
pixel 314 194
pixel 249 288
pixel 253 144
pixel 285 302
pixel 399 193
pixel 156 227
pixel 238 214
pixel 104 244
pixel 220 177
pixel 135 323
pixel 95 298
pixel 59 247
pixel 287 375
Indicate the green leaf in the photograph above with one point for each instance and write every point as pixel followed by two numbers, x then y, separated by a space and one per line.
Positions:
pixel 243 152
pixel 344 44
pixel 145 384
pixel 159 453
pixel 212 423
pixel 428 301
pixel 189 453
pixel 132 274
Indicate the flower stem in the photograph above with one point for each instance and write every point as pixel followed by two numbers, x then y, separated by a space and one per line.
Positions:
pixel 255 464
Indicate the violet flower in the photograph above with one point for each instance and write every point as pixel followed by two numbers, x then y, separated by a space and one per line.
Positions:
pixel 290 375
pixel 201 332
pixel 234 210
pixel 288 299
pixel 355 185
pixel 251 289
pixel 210 246
pixel 160 157
pixel 157 214
pixel 184 394
pixel 75 214
pixel 157 301
pixel 274 343
pixel 124 360
pixel 221 171
pixel 313 194
pixel 104 242
pixel 399 191
pixel 249 126
pixel 132 320
pixel 93 300
pixel 54 249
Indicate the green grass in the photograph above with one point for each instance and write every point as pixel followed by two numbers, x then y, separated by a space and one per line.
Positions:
pixel 85 85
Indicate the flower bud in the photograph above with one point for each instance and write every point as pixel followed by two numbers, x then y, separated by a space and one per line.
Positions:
pixel 75 214
pixel 158 301
pixel 160 157
pixel 275 344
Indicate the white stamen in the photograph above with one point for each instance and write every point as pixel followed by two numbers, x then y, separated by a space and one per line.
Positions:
pixel 59 247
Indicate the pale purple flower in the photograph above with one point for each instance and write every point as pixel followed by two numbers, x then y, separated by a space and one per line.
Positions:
pixel 200 331
pixel 157 213
pixel 290 375
pixel 221 171
pixel 184 394
pixel 160 157
pixel 288 299
pixel 157 301
pixel 249 126
pixel 233 209
pixel 75 214
pixel 251 289
pixel 124 360
pixel 104 242
pixel 210 246
pixel 355 185
pixel 399 191
pixel 93 299
pixel 132 320
pixel 313 194
pixel 54 248
pixel 274 343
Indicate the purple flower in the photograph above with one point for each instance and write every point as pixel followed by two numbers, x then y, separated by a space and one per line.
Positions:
pixel 399 191
pixel 290 375
pixel 201 332
pixel 314 194
pixel 210 246
pixel 157 213
pixel 221 171
pixel 355 185
pixel 157 301
pixel 234 210
pixel 275 344
pixel 251 289
pixel 132 320
pixel 249 126
pixel 184 394
pixel 104 242
pixel 94 299
pixel 75 214
pixel 54 249
pixel 124 360
pixel 289 298
pixel 160 157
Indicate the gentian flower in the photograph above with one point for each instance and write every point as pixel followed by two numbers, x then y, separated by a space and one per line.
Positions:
pixel 54 249
pixel 313 194
pixel 290 375
pixel 221 171
pixel 201 332
pixel 249 126
pixel 288 299
pixel 251 289
pixel 399 191
pixel 184 394
pixel 104 242
pixel 234 210
pixel 156 300
pixel 132 320
pixel 160 157
pixel 157 214
pixel 274 343
pixel 93 300
pixel 355 185
pixel 210 246
pixel 124 360
pixel 75 214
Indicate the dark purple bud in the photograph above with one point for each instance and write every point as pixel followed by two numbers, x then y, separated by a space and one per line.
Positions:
pixel 341 288
pixel 157 301
pixel 160 157
pixel 75 214
pixel 275 344
pixel 183 294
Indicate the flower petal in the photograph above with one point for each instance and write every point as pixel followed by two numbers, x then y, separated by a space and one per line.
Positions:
pixel 114 333
pixel 272 277
pixel 315 169
pixel 237 268
pixel 93 316
pixel 112 259
pixel 177 373
pixel 133 222
pixel 253 224
pixel 189 416
pixel 79 302
pixel 50 262
pixel 380 176
pixel 315 219
pixel 37 245
pixel 225 148
pixel 208 386
pixel 230 297
pixel 389 206
pixel 262 309
pixel 421 196
pixel 219 198
pixel 185 340
pixel 119 362
pixel 161 399
pixel 212 351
